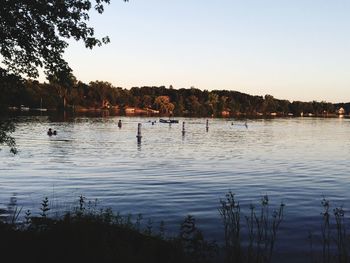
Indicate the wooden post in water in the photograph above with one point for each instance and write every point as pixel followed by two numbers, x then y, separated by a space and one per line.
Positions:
pixel 207 125
pixel 120 123
pixel 183 128
pixel 138 136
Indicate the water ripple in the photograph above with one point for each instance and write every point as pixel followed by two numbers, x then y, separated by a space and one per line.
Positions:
pixel 170 175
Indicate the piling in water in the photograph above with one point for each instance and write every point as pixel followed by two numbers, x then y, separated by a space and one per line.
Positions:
pixel 207 126
pixel 183 128
pixel 120 123
pixel 138 136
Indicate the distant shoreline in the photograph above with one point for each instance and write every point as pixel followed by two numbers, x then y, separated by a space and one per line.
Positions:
pixel 100 96
pixel 108 113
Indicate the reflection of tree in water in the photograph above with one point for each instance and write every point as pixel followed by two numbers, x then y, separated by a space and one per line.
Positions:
pixel 60 150
pixel 61 116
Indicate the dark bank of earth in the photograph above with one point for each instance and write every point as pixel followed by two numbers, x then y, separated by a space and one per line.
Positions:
pixel 88 239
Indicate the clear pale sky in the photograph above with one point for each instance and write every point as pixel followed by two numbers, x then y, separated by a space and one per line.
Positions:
pixel 291 49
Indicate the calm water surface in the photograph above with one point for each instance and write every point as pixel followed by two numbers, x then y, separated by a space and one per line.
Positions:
pixel 168 175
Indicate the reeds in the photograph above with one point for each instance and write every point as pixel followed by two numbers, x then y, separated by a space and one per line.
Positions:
pixel 341 239
pixel 248 237
pixel 87 234
pixel 261 229
pixel 230 212
pixel 333 236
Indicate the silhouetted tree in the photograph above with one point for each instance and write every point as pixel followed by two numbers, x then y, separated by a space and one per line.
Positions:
pixel 32 33
pixel 269 104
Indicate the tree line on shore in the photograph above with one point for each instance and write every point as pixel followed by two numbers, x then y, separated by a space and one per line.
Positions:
pixel 76 95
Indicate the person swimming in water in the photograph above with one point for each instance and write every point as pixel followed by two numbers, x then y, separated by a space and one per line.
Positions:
pixel 50 132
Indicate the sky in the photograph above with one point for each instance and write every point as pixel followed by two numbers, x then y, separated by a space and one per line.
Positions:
pixel 291 49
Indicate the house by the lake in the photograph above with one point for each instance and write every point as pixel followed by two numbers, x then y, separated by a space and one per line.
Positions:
pixel 341 112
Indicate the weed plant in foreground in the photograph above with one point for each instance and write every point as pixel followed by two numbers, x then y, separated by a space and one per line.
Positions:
pixel 89 234
pixel 332 243
pixel 261 227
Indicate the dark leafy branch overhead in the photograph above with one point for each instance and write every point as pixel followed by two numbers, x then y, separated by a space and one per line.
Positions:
pixel 33 33
pixel 7 127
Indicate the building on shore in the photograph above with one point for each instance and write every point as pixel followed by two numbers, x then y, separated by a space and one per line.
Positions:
pixel 341 112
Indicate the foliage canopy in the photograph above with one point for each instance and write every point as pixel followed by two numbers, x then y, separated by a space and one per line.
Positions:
pixel 33 33
pixel 7 127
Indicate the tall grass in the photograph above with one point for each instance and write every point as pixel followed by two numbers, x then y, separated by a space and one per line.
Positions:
pixel 250 234
pixel 261 229
pixel 333 236
pixel 86 234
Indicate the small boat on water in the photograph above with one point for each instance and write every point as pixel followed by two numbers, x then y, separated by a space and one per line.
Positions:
pixel 13 108
pixel 168 121
pixel 41 106
pixel 39 109
pixel 24 108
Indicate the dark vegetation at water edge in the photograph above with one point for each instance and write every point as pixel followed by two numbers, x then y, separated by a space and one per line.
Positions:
pixel 78 96
pixel 89 234
pixel 6 128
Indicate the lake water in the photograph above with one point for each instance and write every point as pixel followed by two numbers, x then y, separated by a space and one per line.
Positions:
pixel 167 176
